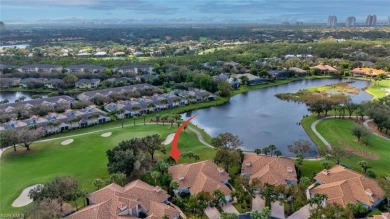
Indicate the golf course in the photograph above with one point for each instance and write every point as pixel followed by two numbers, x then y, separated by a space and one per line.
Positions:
pixel 84 157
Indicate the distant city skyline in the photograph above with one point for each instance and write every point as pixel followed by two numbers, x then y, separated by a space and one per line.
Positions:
pixel 198 11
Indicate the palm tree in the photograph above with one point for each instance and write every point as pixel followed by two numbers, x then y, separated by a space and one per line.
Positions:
pixel 278 153
pixel 219 197
pixel 271 148
pixel 164 102
pixel 257 151
pixel 155 175
pixel 135 109
pixel 98 183
pixel 150 106
pixel 266 150
pixel 364 165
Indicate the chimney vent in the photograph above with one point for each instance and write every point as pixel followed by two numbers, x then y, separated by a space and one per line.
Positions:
pixel 181 177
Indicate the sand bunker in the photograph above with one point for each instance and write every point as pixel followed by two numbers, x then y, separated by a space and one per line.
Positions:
pixel 107 134
pixel 169 139
pixel 67 141
pixel 23 198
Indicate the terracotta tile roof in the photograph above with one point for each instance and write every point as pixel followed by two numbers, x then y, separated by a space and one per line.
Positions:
pixel 324 68
pixel 203 176
pixel 271 170
pixel 343 186
pixel 112 200
pixel 368 71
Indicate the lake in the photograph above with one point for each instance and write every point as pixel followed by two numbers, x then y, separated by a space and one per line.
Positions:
pixel 11 96
pixel 260 119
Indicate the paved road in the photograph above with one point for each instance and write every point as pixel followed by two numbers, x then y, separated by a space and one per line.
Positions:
pixel 365 123
pixel 313 128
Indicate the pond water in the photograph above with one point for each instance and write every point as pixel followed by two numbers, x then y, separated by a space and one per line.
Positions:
pixel 260 119
pixel 11 96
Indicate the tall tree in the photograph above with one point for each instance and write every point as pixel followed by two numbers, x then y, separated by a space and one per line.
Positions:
pixel 28 136
pixel 300 147
pixel 336 154
pixel 153 143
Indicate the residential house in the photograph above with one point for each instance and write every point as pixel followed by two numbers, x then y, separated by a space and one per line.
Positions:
pixel 131 201
pixel 6 68
pixel 100 54
pixel 9 82
pixel 123 80
pixel 271 170
pixel 26 81
pixel 85 69
pixel 298 72
pixel 204 176
pixel 119 54
pixel 84 55
pixel 279 74
pixel 139 53
pixel 324 69
pixel 136 89
pixel 253 80
pixel 366 64
pixel 343 186
pixel 63 101
pixel 367 72
pixel 135 69
pixel 54 83
pixel 87 83
pixel 39 68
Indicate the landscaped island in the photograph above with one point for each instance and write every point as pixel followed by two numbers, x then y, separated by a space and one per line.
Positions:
pixel 335 92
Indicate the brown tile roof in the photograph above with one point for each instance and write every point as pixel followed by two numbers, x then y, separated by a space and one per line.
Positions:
pixel 112 200
pixel 343 186
pixel 271 170
pixel 368 71
pixel 204 176
pixel 324 68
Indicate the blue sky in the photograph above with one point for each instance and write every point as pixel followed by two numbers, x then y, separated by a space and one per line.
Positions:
pixel 182 11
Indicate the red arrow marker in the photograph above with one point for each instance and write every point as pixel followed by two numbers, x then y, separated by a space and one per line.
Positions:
pixel 175 152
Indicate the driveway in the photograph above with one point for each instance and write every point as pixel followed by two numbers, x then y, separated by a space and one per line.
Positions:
pixel 212 213
pixel 303 213
pixel 230 208
pixel 277 210
pixel 258 203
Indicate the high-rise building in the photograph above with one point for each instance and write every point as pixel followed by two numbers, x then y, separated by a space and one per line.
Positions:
pixel 388 20
pixel 350 22
pixel 371 20
pixel 299 23
pixel 332 21
pixel 286 23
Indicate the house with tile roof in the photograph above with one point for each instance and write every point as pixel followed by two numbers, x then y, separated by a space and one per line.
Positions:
pixel 269 170
pixel 204 176
pixel 131 201
pixel 363 72
pixel 87 83
pixel 342 186
pixel 85 69
pixel 39 68
pixel 382 216
pixel 324 69
pixel 135 69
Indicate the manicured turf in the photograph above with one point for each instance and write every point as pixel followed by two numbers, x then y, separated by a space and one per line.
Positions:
pixel 376 89
pixel 85 158
pixel 338 133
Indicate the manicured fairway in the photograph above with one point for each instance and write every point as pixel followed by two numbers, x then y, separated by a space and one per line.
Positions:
pixel 338 133
pixel 377 89
pixel 84 158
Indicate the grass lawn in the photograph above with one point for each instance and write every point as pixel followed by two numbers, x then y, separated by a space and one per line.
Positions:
pixel 377 88
pixel 84 158
pixel 338 133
